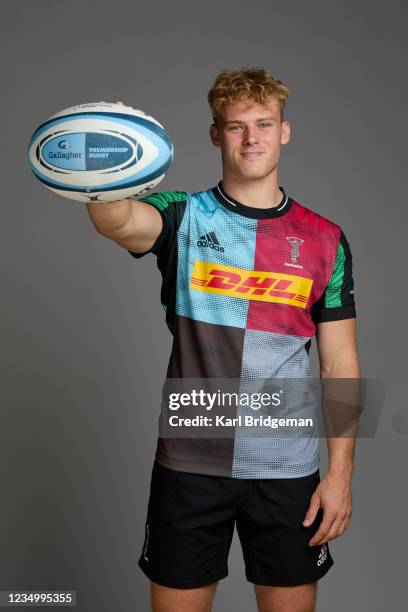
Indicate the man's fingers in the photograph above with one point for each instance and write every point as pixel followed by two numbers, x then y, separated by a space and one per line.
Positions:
pixel 323 530
pixel 343 526
pixel 312 510
pixel 331 528
pixel 334 532
pixel 119 102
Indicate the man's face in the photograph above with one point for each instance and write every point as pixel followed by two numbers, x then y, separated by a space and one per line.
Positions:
pixel 250 137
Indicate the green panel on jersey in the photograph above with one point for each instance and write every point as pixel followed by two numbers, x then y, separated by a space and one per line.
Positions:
pixel 333 290
pixel 162 199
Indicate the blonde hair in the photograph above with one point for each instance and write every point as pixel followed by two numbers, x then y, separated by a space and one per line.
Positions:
pixel 248 83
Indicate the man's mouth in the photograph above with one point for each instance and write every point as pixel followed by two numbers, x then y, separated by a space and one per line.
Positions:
pixel 251 154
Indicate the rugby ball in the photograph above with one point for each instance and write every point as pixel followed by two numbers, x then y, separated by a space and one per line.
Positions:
pixel 100 152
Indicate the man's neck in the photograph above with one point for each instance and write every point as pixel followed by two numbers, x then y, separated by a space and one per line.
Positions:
pixel 262 193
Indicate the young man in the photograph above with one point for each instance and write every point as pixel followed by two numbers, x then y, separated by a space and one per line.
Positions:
pixel 249 276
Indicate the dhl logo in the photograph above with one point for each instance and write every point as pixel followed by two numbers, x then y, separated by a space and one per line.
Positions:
pixel 251 285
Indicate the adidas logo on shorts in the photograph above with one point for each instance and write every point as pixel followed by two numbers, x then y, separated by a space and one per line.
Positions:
pixel 210 240
pixel 322 555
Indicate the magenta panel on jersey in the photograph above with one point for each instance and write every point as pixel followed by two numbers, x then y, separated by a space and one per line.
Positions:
pixel 295 250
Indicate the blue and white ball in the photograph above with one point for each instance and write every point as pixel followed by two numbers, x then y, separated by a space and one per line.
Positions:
pixel 100 152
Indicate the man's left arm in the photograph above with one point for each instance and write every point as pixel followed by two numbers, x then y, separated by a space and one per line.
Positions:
pixel 336 343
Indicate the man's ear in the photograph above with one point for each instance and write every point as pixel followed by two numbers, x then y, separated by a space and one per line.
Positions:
pixel 215 139
pixel 285 136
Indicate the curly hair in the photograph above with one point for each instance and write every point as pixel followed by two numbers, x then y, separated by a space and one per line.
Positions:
pixel 248 83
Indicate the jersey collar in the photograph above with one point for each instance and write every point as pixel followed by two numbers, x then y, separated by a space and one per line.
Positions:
pixel 248 211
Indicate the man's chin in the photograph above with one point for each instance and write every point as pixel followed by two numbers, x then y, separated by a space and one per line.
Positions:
pixel 252 175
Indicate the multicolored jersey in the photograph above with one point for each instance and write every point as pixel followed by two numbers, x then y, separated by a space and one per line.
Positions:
pixel 243 289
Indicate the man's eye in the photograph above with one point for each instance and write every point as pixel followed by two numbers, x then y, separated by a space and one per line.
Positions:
pixel 235 127
pixel 265 124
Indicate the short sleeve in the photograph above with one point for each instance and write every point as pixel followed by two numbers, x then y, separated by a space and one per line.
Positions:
pixel 170 205
pixel 337 301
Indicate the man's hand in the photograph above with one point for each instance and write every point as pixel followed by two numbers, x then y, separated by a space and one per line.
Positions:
pixel 333 495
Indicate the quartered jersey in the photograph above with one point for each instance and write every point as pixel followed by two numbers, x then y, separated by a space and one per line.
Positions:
pixel 243 289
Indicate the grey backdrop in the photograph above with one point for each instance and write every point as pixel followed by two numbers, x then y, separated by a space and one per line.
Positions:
pixel 84 343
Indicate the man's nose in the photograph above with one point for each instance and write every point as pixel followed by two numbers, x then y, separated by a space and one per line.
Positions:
pixel 251 136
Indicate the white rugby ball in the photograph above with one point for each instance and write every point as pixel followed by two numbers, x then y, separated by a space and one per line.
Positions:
pixel 100 152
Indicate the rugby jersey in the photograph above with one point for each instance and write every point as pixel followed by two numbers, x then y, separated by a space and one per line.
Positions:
pixel 243 289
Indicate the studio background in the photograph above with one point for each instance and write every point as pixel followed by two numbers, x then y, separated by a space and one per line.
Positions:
pixel 84 342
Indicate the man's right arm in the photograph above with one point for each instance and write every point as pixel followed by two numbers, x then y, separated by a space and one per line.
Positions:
pixel 132 224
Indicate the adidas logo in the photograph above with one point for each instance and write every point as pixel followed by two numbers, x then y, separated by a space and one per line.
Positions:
pixel 322 555
pixel 210 240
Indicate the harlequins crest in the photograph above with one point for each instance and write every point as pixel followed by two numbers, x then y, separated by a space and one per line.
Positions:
pixel 295 242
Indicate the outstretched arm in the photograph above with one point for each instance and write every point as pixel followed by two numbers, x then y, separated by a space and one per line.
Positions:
pixel 132 224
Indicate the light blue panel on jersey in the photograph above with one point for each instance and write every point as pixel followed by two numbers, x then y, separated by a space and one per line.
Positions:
pixel 270 355
pixel 272 363
pixel 275 457
pixel 211 233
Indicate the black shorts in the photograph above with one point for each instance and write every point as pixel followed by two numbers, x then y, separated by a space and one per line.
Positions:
pixel 190 524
